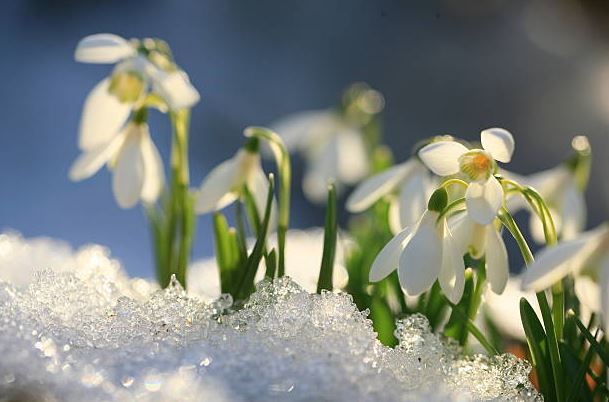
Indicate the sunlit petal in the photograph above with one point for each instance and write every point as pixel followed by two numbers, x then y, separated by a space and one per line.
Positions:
pixel 499 143
pixel 484 200
pixel 218 187
pixel 352 157
pixel 295 128
pixel 588 292
pixel 321 168
pixel 103 48
pixel 387 260
pixel 554 263
pixel 102 118
pixel 452 272
pixel 573 212
pixel 373 188
pixel 421 260
pixel 153 168
pixel 175 88
pixel 497 265
pixel 413 198
pixel 128 178
pixel 258 185
pixel 89 162
pixel 442 157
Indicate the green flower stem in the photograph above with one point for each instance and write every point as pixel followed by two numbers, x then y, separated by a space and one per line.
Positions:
pixel 508 221
pixel 282 158
pixel 180 212
pixel 451 207
pixel 326 270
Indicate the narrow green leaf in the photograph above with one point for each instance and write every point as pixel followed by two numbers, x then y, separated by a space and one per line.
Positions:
pixel 253 261
pixel 271 264
pixel 383 321
pixel 600 351
pixel 538 347
pixel 329 252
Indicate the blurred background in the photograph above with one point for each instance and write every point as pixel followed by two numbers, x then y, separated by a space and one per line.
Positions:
pixel 538 68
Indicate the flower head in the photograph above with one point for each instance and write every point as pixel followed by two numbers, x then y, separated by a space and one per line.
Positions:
pixel 424 253
pixel 484 195
pixel 134 161
pixel 413 185
pixel 332 141
pixel 225 183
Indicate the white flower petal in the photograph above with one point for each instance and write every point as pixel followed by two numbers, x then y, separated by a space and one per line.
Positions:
pixel 89 162
pixel 395 224
pixel 497 265
pixel 217 188
pixel 175 88
pixel 442 157
pixel 452 272
pixel 484 200
pixel 154 177
pixel 414 194
pixel 296 128
pixel 554 263
pixel 352 157
pixel 128 178
pixel 103 48
pixel 102 118
pixel 321 168
pixel 470 236
pixel 387 260
pixel 421 260
pixel 373 188
pixel 588 293
pixel 573 212
pixel 499 143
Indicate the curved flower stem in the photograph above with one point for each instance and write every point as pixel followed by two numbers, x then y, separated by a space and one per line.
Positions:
pixel 508 221
pixel 450 207
pixel 282 158
pixel 454 181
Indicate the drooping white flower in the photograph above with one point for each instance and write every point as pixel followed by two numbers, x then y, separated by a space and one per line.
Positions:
pixel 414 185
pixel 422 254
pixel 305 249
pixel 136 74
pixel 484 195
pixel 224 184
pixel 134 161
pixel 586 254
pixel 332 141
pixel 483 240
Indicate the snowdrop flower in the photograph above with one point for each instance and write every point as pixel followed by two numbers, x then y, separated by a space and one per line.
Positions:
pixel 414 185
pixel 142 67
pixel 563 193
pixel 134 161
pixel 332 141
pixel 484 195
pixel 483 240
pixel 587 254
pixel 423 253
pixel 224 184
pixel 304 246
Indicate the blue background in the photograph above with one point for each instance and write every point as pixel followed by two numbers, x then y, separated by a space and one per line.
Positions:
pixel 456 67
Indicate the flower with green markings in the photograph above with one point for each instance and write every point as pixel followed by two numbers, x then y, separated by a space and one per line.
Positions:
pixel 484 195
pixel 333 141
pixel 226 182
pixel 144 75
pixel 412 183
pixel 134 161
pixel 483 241
pixel 423 253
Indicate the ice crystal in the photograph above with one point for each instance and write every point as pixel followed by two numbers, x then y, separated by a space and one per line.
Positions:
pixel 85 331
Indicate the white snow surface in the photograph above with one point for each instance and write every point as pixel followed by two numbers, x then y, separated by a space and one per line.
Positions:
pixel 75 327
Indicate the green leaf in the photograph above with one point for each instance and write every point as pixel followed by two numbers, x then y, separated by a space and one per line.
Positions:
pixel 538 347
pixel 383 321
pixel 270 261
pixel 227 252
pixel 329 252
pixel 599 349
pixel 253 261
